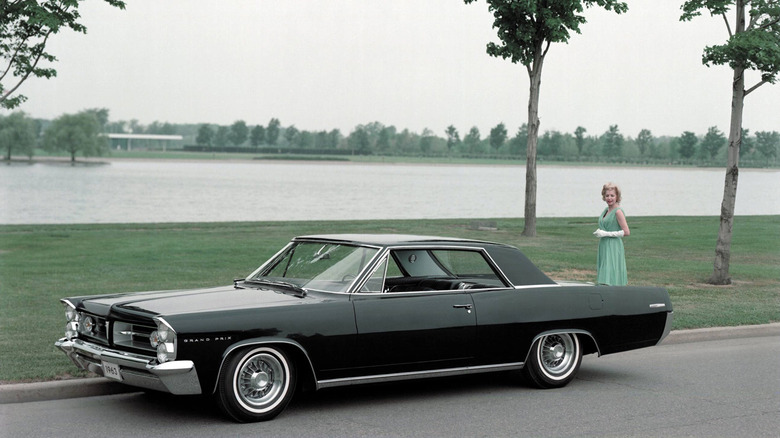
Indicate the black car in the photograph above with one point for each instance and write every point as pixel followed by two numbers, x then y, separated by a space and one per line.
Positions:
pixel 335 310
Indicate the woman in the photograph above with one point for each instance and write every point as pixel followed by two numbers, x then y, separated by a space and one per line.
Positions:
pixel 611 260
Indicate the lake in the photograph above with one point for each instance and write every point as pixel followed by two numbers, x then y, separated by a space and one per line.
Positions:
pixel 128 191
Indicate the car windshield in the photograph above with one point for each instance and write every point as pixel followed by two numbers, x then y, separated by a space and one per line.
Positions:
pixel 321 266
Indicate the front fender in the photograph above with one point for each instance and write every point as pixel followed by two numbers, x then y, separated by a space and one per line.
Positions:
pixel 296 350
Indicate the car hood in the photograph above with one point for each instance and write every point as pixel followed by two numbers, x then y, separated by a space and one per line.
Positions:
pixel 173 302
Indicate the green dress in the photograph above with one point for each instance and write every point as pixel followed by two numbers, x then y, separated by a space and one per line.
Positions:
pixel 611 261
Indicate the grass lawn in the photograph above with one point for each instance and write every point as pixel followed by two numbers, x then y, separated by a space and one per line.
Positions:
pixel 39 264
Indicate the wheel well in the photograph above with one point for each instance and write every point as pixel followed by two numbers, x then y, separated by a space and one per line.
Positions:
pixel 305 374
pixel 588 343
pixel 295 352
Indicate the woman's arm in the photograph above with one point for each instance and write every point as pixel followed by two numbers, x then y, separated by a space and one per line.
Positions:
pixel 621 220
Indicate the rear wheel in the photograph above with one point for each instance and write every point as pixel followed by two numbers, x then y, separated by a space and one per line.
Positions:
pixel 554 360
pixel 256 384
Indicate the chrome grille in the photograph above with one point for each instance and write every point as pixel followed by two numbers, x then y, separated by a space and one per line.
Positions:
pixel 131 335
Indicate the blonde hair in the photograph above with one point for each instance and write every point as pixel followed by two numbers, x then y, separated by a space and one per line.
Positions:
pixel 611 186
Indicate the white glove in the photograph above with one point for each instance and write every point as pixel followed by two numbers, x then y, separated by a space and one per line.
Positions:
pixel 601 233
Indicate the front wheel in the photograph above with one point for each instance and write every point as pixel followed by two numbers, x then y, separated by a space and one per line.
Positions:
pixel 256 384
pixel 554 360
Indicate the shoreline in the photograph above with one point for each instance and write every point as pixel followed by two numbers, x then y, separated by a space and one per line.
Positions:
pixel 96 161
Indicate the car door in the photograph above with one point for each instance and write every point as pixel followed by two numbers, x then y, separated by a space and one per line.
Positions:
pixel 412 330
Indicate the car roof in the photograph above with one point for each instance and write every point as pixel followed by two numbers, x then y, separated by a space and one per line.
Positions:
pixel 391 239
pixel 515 265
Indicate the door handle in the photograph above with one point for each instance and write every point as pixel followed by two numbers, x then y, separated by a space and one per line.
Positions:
pixel 463 306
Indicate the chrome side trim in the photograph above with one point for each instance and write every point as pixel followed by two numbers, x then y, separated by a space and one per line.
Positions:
pixel 658 305
pixel 347 381
pixel 536 286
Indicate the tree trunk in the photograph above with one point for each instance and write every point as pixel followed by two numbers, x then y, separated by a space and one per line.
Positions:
pixel 720 273
pixel 535 76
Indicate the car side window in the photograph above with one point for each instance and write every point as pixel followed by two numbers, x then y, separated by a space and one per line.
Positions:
pixel 376 282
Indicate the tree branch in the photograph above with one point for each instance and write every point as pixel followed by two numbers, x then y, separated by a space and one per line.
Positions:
pixel 751 89
pixel 728 26
pixel 29 71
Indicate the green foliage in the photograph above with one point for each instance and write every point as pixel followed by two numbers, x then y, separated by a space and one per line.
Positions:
pixel 768 143
pixel 645 141
pixel 205 135
pixel 498 136
pixel 687 144
pixel 239 132
pixel 74 133
pixel 273 131
pixel 17 134
pixel 472 140
pixel 25 28
pixel 612 142
pixel 713 141
pixel 453 138
pixel 358 140
pixel 257 137
pixel 526 28
pixel 754 45
pixel 221 137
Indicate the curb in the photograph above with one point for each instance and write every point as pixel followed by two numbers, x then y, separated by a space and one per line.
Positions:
pixel 96 386
pixel 718 333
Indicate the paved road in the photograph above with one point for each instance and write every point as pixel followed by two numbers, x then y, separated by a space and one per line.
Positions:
pixel 717 388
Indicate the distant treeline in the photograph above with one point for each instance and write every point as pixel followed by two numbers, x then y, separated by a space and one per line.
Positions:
pixel 758 149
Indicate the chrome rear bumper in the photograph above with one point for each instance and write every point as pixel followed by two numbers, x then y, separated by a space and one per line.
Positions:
pixel 176 377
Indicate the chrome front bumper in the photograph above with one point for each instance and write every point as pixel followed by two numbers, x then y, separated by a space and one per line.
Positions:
pixel 176 377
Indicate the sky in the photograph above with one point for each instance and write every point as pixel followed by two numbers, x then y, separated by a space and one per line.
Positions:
pixel 413 64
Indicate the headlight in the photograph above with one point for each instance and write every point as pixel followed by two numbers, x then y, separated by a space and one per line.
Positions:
pixel 87 324
pixel 72 327
pixel 164 341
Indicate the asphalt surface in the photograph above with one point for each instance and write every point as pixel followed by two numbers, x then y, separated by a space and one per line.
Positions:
pixel 96 386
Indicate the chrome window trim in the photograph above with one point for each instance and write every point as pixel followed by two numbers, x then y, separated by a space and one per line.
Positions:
pixel 366 274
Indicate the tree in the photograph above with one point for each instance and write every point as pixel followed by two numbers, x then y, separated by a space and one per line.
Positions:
pixel 17 134
pixel 383 140
pixel 25 29
pixel 257 137
pixel 358 141
pixel 612 142
pixel 687 144
pixel 75 133
pixel 748 144
pixel 644 141
pixel 426 141
pixel 239 132
pixel 526 30
pixel 754 45
pixel 221 137
pixel 472 139
pixel 498 136
pixel 290 133
pixel 334 137
pixel 272 132
pixel 579 135
pixel 712 142
pixel 453 138
pixel 205 135
pixel 768 143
